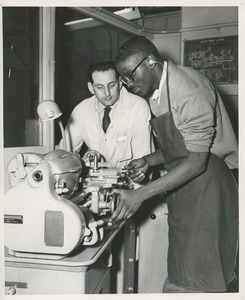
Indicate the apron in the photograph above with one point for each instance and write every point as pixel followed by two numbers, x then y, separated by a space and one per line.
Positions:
pixel 202 216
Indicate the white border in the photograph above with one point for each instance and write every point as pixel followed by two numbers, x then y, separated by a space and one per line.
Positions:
pixel 241 5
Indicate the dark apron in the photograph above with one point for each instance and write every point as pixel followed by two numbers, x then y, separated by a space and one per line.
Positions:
pixel 203 217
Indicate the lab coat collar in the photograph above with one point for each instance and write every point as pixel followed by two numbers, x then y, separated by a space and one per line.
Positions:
pixel 125 101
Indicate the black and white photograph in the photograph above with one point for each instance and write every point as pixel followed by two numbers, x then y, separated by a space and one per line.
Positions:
pixel 121 150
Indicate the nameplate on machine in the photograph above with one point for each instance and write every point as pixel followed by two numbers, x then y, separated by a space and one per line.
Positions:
pixel 13 219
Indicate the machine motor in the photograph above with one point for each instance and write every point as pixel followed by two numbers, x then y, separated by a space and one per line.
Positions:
pixel 58 201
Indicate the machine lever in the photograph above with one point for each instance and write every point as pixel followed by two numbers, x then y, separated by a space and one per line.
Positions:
pixel 20 172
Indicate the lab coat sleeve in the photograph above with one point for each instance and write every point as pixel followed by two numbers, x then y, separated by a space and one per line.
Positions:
pixel 142 143
pixel 73 131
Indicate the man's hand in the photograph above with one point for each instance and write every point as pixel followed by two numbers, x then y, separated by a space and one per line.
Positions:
pixel 137 169
pixel 129 203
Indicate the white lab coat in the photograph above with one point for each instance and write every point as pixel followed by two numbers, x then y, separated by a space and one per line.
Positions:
pixel 128 135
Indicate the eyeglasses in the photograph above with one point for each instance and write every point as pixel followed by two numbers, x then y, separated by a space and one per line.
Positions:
pixel 129 78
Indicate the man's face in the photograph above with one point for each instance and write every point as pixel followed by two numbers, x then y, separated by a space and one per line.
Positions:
pixel 141 82
pixel 106 87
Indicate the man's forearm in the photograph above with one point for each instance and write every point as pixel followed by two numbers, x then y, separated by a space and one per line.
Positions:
pixel 190 168
pixel 155 158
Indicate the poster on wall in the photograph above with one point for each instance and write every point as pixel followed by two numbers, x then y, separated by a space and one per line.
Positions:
pixel 215 58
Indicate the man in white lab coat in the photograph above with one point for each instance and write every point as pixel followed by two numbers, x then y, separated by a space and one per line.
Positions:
pixel 128 134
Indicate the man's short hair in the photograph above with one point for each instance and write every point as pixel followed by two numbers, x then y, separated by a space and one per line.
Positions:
pixel 101 67
pixel 134 46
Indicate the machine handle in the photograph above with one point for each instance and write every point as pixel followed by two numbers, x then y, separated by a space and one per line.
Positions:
pixel 20 172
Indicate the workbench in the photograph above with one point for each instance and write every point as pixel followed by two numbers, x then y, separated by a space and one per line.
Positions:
pixel 87 270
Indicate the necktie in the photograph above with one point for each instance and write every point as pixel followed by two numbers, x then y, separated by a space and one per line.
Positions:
pixel 106 119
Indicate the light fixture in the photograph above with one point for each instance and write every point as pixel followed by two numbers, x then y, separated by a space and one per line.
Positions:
pixel 49 110
pixel 99 16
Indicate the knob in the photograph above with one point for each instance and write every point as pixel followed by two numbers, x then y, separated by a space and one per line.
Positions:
pixel 38 175
pixel 10 291
pixel 153 216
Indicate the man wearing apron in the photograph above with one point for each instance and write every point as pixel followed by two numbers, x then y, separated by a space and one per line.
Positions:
pixel 198 147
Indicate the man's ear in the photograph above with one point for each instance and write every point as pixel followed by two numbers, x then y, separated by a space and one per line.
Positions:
pixel 151 61
pixel 120 84
pixel 91 88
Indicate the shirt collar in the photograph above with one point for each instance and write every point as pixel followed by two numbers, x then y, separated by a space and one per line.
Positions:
pixel 100 107
pixel 156 93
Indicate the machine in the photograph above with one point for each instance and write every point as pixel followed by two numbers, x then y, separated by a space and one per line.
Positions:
pixel 58 201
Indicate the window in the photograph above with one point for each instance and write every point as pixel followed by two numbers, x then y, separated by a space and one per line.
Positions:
pixel 21 76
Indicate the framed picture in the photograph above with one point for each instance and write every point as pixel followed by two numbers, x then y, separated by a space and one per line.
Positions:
pixel 215 58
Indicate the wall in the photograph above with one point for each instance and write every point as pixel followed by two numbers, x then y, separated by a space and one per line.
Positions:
pixel 168 46
pixel 165 21
pixel 201 16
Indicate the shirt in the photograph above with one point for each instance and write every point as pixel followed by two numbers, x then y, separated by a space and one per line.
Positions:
pixel 198 112
pixel 156 93
pixel 128 135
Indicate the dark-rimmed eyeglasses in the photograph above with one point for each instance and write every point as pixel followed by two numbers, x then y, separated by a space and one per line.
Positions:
pixel 130 77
